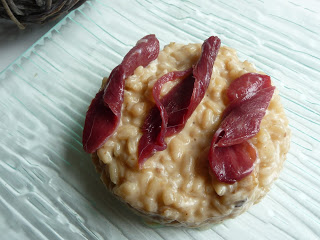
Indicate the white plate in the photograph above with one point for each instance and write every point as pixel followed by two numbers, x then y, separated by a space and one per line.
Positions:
pixel 48 186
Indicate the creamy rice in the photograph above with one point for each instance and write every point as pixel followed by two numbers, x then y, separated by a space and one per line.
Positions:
pixel 175 185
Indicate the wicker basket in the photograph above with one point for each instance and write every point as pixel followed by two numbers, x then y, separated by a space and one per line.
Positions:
pixel 35 11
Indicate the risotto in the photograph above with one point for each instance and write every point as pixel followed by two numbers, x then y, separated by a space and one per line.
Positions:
pixel 176 186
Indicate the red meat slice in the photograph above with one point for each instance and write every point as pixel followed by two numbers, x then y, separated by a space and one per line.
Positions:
pixel 170 114
pixel 247 85
pixel 145 51
pixel 100 122
pixel 171 107
pixel 243 121
pixel 202 72
pixel 231 156
pixel 104 112
pixel 233 163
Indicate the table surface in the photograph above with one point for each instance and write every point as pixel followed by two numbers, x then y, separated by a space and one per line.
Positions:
pixel 14 41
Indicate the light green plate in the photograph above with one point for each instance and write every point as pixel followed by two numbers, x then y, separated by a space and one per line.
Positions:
pixel 48 186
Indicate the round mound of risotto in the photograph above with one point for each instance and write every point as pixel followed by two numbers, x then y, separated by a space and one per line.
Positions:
pixel 176 186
